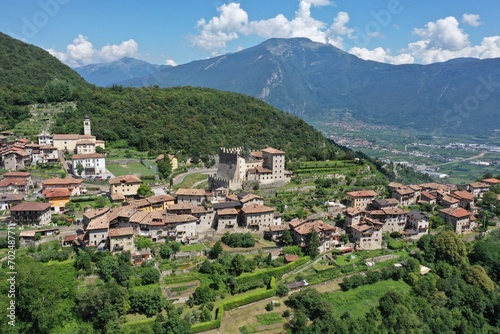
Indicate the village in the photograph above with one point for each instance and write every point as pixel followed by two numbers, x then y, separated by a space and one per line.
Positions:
pixel 191 215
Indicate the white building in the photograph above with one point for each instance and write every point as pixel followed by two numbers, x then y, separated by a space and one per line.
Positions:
pixel 93 164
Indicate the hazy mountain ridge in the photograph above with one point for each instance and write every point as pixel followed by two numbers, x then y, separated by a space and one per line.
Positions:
pixel 106 74
pixel 310 79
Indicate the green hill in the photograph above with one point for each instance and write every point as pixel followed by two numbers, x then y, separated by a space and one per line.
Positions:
pixel 193 120
pixel 29 74
pixel 23 64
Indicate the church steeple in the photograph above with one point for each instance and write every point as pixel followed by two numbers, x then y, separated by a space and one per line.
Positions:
pixel 86 125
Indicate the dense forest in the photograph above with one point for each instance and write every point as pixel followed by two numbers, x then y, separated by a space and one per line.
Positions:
pixel 195 120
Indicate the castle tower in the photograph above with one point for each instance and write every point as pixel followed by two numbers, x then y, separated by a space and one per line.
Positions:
pixel 86 125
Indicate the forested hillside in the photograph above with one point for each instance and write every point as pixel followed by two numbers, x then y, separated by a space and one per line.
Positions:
pixel 195 120
pixel 29 74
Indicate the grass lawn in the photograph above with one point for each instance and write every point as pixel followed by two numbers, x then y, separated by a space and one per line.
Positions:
pixel 190 180
pixel 360 300
pixel 195 247
pixel 136 169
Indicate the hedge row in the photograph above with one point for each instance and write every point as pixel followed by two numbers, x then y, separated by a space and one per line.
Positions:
pixel 209 325
pixel 83 198
pixel 247 279
pixel 141 326
pixel 251 298
pixel 234 303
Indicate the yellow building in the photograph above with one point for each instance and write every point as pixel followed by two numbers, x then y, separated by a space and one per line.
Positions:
pixel 58 198
pixel 127 185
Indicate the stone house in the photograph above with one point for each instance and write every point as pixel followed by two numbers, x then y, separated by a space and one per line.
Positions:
pixel 418 224
pixel 257 217
pixel 31 213
pixel 190 196
pixel 329 235
pixel 7 201
pixel 227 218
pixel 361 199
pixel 461 219
pixel 367 234
pixel 121 239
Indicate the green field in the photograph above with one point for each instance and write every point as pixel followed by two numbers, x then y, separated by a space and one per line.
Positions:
pixel 135 169
pixel 359 301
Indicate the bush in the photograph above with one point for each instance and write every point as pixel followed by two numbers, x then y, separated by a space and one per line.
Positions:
pixel 269 307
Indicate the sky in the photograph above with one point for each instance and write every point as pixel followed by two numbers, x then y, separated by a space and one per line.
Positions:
pixel 176 32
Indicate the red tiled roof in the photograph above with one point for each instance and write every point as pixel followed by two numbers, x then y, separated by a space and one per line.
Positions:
pixel 190 192
pixel 491 180
pixel 58 182
pixel 120 232
pixel 456 212
pixel 363 193
pixel 271 150
pixel 17 174
pixel 56 192
pixel 256 208
pixel 462 194
pixel 12 181
pixel 87 156
pixel 125 179
pixel 31 206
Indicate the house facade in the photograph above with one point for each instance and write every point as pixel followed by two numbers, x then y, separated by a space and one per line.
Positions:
pixel 93 164
pixel 127 185
pixel 31 213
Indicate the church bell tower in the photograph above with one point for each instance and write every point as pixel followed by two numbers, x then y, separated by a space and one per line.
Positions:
pixel 86 126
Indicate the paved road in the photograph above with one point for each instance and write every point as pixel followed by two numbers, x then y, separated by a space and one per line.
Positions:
pixel 179 178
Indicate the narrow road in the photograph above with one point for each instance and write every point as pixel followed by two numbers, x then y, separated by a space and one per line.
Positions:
pixel 179 178
pixel 466 159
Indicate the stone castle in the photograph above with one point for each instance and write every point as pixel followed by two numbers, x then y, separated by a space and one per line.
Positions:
pixel 238 166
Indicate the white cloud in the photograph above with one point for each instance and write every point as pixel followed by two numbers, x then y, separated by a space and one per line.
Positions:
pixel 382 56
pixel 233 20
pixel 443 34
pixel 472 19
pixel 82 52
pixel 219 30
pixel 170 62
pixel 114 51
pixel 444 40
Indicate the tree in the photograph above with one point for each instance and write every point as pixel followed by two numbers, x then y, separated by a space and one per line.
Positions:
pixel 168 249
pixel 164 167
pixel 286 238
pixel 312 244
pixel 216 250
pixel 143 243
pixel 476 275
pixel 238 265
pixel 107 267
pixel 202 295
pixel 449 247
pixel 70 207
pixel 282 290
pixel 100 202
pixel 79 169
pixel 83 261
pixel 150 275
pixel 144 190
pixel 148 301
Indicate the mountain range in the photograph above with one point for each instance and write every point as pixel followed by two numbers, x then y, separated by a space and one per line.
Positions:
pixel 320 82
pixel 106 74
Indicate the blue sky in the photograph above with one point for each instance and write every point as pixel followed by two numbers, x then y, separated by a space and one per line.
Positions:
pixel 176 32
